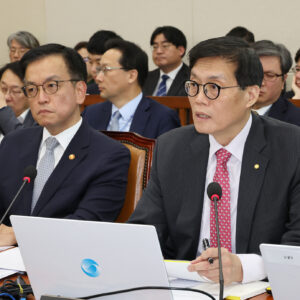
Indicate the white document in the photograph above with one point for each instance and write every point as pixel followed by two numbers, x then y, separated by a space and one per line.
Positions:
pixel 12 260
pixel 5 273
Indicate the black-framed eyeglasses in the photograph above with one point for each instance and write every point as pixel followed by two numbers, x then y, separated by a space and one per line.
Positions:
pixel 296 69
pixel 270 76
pixel 50 87
pixel 105 69
pixel 211 90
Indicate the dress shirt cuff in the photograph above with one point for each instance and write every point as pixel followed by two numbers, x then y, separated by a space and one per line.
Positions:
pixel 253 267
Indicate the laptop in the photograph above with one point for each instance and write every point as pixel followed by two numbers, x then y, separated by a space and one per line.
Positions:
pixel 73 258
pixel 282 264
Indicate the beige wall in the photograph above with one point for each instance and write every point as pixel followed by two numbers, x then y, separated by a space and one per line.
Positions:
pixel 69 21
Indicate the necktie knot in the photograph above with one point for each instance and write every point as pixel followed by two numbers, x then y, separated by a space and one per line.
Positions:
pixel 164 77
pixel 222 156
pixel 51 143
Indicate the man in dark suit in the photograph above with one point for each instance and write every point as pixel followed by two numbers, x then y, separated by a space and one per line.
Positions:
pixel 81 174
pixel 14 107
pixel 121 75
pixel 168 48
pixel 276 61
pixel 258 158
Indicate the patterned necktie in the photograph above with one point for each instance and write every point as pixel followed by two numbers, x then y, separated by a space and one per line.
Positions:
pixel 222 177
pixel 162 88
pixel 44 170
pixel 114 124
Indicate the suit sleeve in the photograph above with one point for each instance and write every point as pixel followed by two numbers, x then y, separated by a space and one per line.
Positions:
pixel 168 122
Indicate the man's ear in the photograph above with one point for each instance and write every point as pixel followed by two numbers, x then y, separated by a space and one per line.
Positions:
pixel 80 88
pixel 181 50
pixel 253 94
pixel 133 75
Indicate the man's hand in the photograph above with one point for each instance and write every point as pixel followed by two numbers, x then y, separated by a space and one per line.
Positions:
pixel 7 236
pixel 295 88
pixel 232 267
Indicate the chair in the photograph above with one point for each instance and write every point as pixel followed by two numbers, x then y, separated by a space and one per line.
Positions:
pixel 141 150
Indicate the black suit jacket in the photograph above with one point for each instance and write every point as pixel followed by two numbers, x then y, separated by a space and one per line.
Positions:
pixel 150 119
pixel 177 87
pixel 286 111
pixel 268 209
pixel 9 121
pixel 89 187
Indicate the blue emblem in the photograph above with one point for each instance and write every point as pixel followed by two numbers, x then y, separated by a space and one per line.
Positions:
pixel 90 267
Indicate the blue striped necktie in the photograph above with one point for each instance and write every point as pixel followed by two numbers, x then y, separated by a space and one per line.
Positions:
pixel 114 124
pixel 162 89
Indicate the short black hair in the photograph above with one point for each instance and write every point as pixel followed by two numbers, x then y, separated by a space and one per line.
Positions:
pixel 133 57
pixel 242 33
pixel 297 56
pixel 14 67
pixel 74 62
pixel 96 44
pixel 172 34
pixel 80 45
pixel 248 71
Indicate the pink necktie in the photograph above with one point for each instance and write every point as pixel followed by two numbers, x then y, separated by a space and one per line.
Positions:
pixel 222 177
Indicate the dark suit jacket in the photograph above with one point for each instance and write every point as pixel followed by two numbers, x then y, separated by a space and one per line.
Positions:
pixel 92 89
pixel 177 87
pixel 90 187
pixel 9 121
pixel 286 111
pixel 268 209
pixel 150 119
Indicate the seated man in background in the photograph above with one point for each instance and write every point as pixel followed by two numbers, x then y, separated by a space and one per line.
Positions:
pixel 255 160
pixel 295 92
pixel 96 48
pixel 81 173
pixel 19 43
pixel 121 74
pixel 168 48
pixel 14 107
pixel 242 33
pixel 276 61
pixel 81 48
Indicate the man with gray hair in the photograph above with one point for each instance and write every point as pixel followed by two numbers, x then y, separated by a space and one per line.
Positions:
pixel 276 61
pixel 19 43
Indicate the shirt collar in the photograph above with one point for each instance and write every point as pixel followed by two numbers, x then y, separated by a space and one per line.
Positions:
pixel 236 146
pixel 23 115
pixel 263 110
pixel 173 73
pixel 65 137
pixel 127 111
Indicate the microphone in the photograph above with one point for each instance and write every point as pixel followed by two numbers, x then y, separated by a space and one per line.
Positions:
pixel 214 192
pixel 29 175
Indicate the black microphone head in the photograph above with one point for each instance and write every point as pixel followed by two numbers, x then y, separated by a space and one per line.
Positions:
pixel 214 188
pixel 30 172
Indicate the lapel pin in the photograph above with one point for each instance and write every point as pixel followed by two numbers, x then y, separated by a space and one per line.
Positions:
pixel 256 166
pixel 71 156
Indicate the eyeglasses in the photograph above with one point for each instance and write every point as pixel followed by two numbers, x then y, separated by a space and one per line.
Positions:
pixel 21 50
pixel 270 76
pixel 105 69
pixel 15 91
pixel 49 87
pixel 296 69
pixel 163 46
pixel 211 90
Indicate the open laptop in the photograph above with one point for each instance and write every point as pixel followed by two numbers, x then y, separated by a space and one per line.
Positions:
pixel 282 264
pixel 74 258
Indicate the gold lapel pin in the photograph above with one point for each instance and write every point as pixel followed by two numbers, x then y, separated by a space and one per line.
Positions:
pixel 71 156
pixel 256 166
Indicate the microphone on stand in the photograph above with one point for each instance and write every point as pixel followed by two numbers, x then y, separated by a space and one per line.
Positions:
pixel 214 192
pixel 29 175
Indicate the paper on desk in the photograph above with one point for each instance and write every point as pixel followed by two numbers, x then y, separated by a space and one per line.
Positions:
pixel 12 260
pixel 178 269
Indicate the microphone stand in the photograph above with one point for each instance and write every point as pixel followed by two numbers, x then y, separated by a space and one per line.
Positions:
pixel 221 278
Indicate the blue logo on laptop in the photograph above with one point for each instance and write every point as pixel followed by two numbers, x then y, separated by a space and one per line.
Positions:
pixel 90 267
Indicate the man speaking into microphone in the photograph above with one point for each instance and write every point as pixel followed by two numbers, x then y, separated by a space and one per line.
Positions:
pixel 254 159
pixel 81 173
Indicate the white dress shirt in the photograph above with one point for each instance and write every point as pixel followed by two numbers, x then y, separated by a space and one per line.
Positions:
pixel 263 110
pixel 252 264
pixel 64 138
pixel 169 81
pixel 127 111
pixel 23 115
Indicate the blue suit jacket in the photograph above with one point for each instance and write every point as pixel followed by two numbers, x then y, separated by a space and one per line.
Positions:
pixel 150 119
pixel 286 111
pixel 90 187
